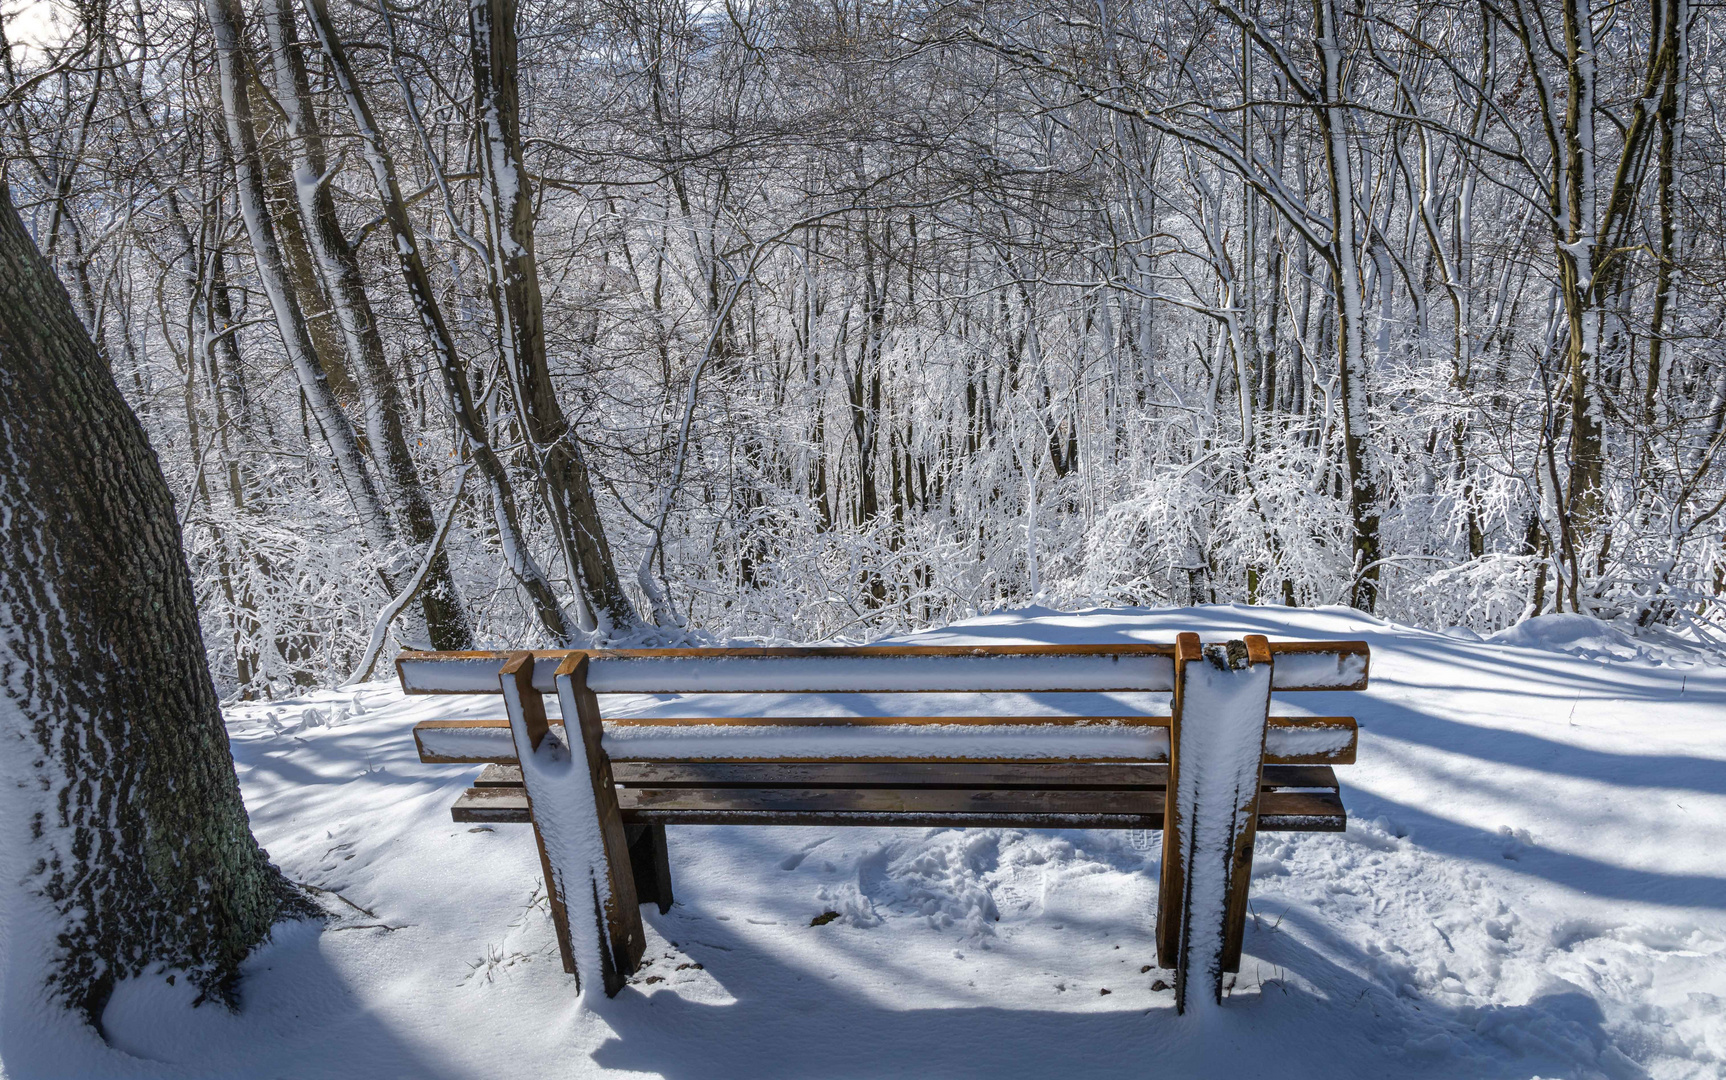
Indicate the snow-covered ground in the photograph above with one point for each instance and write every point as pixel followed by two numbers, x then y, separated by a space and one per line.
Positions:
pixel 1533 883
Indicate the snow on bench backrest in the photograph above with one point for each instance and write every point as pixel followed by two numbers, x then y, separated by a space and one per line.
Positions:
pixel 1306 740
pixel 1319 665
pixel 1326 665
pixel 835 670
pixel 1123 729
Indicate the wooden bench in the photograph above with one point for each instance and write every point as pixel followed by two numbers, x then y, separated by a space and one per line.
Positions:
pixel 1211 771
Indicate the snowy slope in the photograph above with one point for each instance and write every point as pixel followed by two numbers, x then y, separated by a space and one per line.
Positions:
pixel 1534 884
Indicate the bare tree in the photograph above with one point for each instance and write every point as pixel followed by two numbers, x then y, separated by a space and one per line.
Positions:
pixel 385 412
pixel 816 318
pixel 518 311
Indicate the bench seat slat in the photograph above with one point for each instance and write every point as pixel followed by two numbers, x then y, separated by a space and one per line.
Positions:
pixel 1007 739
pixel 937 775
pixel 913 774
pixel 492 806
pixel 922 820
pixel 619 722
pixel 1083 802
pixel 498 776
pixel 1278 811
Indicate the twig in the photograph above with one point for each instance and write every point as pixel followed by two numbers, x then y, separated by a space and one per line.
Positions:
pixel 380 631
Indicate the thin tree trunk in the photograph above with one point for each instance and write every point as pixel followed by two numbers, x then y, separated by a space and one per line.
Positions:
pixel 1578 264
pixel 272 275
pixel 459 393
pixel 302 274
pixel 1675 39
pixel 1351 320
pixel 519 313
pixel 380 397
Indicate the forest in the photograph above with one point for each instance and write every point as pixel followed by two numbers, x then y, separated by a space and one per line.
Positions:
pixel 660 321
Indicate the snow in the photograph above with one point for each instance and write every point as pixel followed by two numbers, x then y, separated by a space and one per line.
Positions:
pixel 28 923
pixel 1318 671
pixel 1054 741
pixel 884 674
pixel 474 744
pixel 1328 740
pixel 556 775
pixel 1533 884
pixel 1584 636
pixel 878 674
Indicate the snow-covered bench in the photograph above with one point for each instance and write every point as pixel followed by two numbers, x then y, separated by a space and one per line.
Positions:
pixel 1037 736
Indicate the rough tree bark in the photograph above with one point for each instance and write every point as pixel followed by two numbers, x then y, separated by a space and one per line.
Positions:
pixel 130 837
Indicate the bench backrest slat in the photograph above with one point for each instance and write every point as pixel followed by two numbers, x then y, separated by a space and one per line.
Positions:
pixel 746 671
pixel 881 674
pixel 1289 740
pixel 1330 665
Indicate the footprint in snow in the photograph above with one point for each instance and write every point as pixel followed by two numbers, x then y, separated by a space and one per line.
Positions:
pixel 795 859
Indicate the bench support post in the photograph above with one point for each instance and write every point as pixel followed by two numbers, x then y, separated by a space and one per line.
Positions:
pixel 1172 877
pixel 1216 758
pixel 578 824
pixel 528 727
pixel 651 864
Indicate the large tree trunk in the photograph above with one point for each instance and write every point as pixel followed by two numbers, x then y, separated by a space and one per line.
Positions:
pixel 519 312
pixel 119 791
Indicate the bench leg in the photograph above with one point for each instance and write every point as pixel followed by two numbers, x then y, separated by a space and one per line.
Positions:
pixel 578 825
pixel 1171 881
pixel 651 864
pixel 1216 760
pixel 559 913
